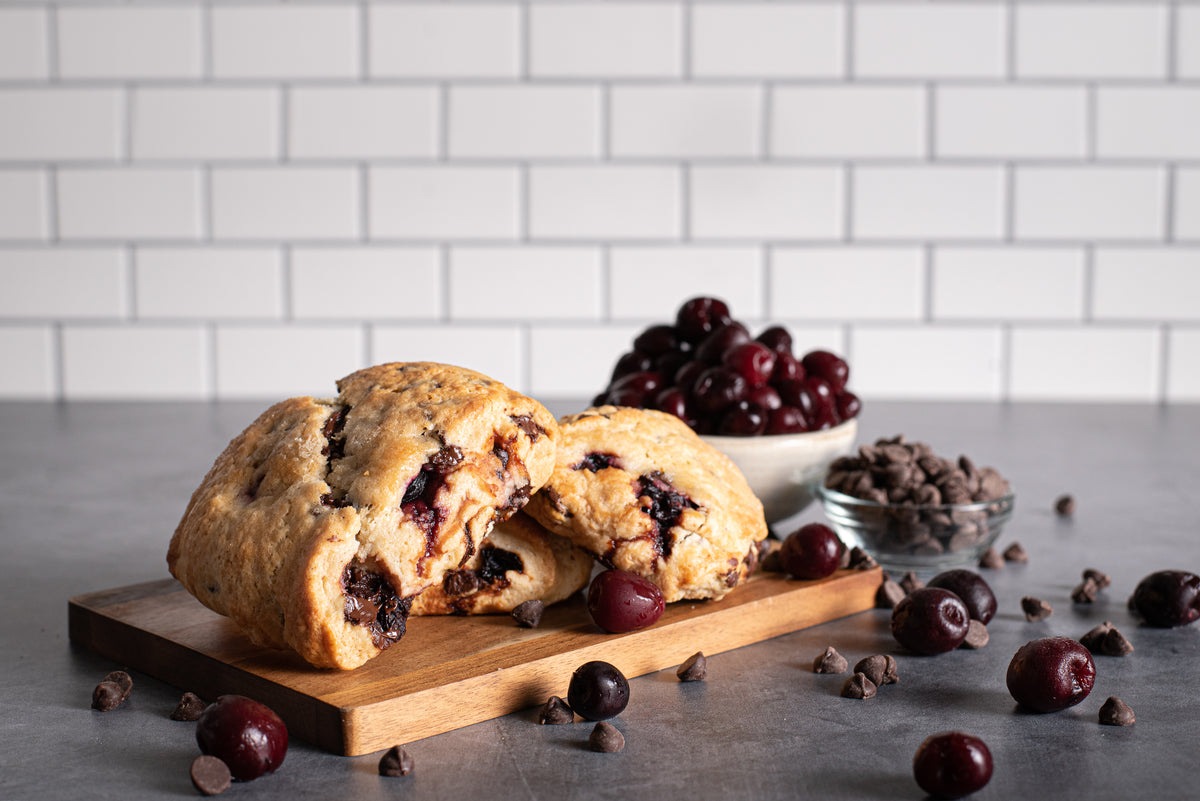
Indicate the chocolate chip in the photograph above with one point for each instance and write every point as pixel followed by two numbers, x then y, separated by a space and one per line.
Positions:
pixel 1035 609
pixel 1085 593
pixel 121 679
pixel 830 662
pixel 1064 506
pixel 861 560
pixel 991 559
pixel 189 708
pixel 395 762
pixel 977 635
pixel 555 711
pixel 529 613
pixel 210 775
pixel 858 686
pixel 910 582
pixel 1115 644
pixel 1016 553
pixel 1102 579
pixel 694 668
pixel 107 696
pixel 605 738
pixel 880 669
pixel 888 595
pixel 1115 712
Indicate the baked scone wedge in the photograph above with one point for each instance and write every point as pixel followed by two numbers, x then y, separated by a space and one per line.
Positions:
pixel 643 493
pixel 320 523
pixel 518 561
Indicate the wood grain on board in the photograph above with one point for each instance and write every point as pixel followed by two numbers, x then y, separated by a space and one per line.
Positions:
pixel 415 689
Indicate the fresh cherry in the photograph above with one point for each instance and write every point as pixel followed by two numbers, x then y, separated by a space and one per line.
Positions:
pixel 1050 674
pixel 811 552
pixel 766 397
pixel 672 401
pixel 619 601
pixel 816 399
pixel 685 376
pixel 244 734
pixel 847 404
pixel 743 419
pixel 714 347
pixel 970 587
pixel 716 390
pixel 952 764
pixel 657 340
pixel 787 368
pixel 598 691
pixel 754 361
pixel 786 420
pixel 1168 598
pixel 700 316
pixel 829 366
pixel 635 388
pixel 930 621
pixel 632 362
pixel 777 338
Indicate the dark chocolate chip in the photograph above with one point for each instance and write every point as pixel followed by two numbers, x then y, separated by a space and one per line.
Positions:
pixel 991 559
pixel 977 635
pixel 1115 644
pixel 830 662
pixel 189 708
pixel 694 668
pixel 1115 712
pixel 888 595
pixel 1035 609
pixel 555 711
pixel 1085 593
pixel 1016 553
pixel 210 775
pixel 861 560
pixel 121 679
pixel 1064 506
pixel 395 762
pixel 879 668
pixel 107 696
pixel 605 738
pixel 529 613
pixel 1101 578
pixel 858 686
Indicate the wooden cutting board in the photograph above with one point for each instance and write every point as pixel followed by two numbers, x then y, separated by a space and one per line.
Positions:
pixel 447 672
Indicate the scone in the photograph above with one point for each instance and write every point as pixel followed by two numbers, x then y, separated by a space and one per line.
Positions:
pixel 320 523
pixel 518 561
pixel 643 493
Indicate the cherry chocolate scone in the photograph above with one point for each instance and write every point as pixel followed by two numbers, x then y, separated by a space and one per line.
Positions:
pixel 324 519
pixel 645 494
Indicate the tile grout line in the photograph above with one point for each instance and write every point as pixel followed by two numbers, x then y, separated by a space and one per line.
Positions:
pixel 58 365
pixel 766 254
pixel 364 41
pixel 1006 361
pixel 685 201
pixel 525 32
pixel 285 122
pixel 207 204
pixel 286 283
pixel 1089 279
pixel 444 268
pixel 443 121
pixel 364 201
pixel 1010 42
pixel 766 119
pixel 525 202
pixel 1172 53
pixel 687 67
pixel 848 176
pixel 53 58
pixel 606 279
pixel 213 374
pixel 129 96
pixel 1164 363
pixel 1091 93
pixel 130 256
pixel 928 270
pixel 206 42
pixel 1170 181
pixel 848 42
pixel 53 223
pixel 931 99
pixel 606 122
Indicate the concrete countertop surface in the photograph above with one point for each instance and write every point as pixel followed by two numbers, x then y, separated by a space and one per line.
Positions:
pixel 90 493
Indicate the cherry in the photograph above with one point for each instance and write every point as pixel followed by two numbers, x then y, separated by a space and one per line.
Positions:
pixel 672 401
pixel 787 368
pixel 847 404
pixel 619 601
pixel 766 397
pixel 244 734
pixel 971 589
pixel 669 363
pixel 816 398
pixel 699 316
pixel 712 350
pixel 930 621
pixel 632 362
pixel 657 340
pixel 786 420
pixel 598 691
pixel 1168 598
pixel 952 764
pixel 685 376
pixel 754 361
pixel 633 389
pixel 743 419
pixel 1050 674
pixel 811 552
pixel 829 366
pixel 716 390
pixel 777 339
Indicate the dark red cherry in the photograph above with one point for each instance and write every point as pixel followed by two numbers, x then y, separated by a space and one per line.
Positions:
pixel 1050 674
pixel 635 388
pixel 717 389
pixel 787 368
pixel 777 339
pixel 632 362
pixel 930 621
pixel 712 350
pixel 971 588
pixel 952 764
pixel 685 376
pixel 1168 598
pixel 598 691
pixel 754 361
pixel 847 404
pixel 669 363
pixel 811 552
pixel 700 316
pixel 786 420
pixel 620 601
pixel 672 400
pixel 829 366
pixel 743 419
pixel 766 397
pixel 815 399
pixel 657 340
pixel 244 734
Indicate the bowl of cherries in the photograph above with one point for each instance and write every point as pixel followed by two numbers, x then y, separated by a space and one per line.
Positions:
pixel 781 417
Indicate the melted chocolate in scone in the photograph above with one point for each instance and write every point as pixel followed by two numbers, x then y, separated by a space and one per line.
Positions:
pixel 642 492
pixel 324 519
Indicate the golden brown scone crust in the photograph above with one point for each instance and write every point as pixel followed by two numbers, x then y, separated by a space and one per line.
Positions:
pixel 315 487
pixel 518 561
pixel 644 461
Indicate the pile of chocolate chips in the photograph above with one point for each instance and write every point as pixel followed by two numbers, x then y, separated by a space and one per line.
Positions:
pixel 917 484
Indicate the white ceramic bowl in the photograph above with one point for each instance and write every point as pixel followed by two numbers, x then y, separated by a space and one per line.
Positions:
pixel 781 469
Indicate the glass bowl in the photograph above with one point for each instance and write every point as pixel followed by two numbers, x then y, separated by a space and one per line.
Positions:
pixel 917 538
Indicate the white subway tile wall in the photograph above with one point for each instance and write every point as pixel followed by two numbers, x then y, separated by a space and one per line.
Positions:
pixel 971 199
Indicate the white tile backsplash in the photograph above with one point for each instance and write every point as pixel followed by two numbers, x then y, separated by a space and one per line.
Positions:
pixel 999 185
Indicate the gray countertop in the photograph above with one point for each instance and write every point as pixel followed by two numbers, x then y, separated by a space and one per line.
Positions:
pixel 89 494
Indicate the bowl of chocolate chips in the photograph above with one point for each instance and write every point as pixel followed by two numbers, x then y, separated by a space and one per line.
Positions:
pixel 781 416
pixel 913 509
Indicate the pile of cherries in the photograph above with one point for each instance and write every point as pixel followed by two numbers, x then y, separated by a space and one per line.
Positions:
pixel 708 371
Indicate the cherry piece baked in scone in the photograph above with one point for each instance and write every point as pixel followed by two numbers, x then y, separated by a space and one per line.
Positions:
pixel 518 561
pixel 644 493
pixel 320 523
